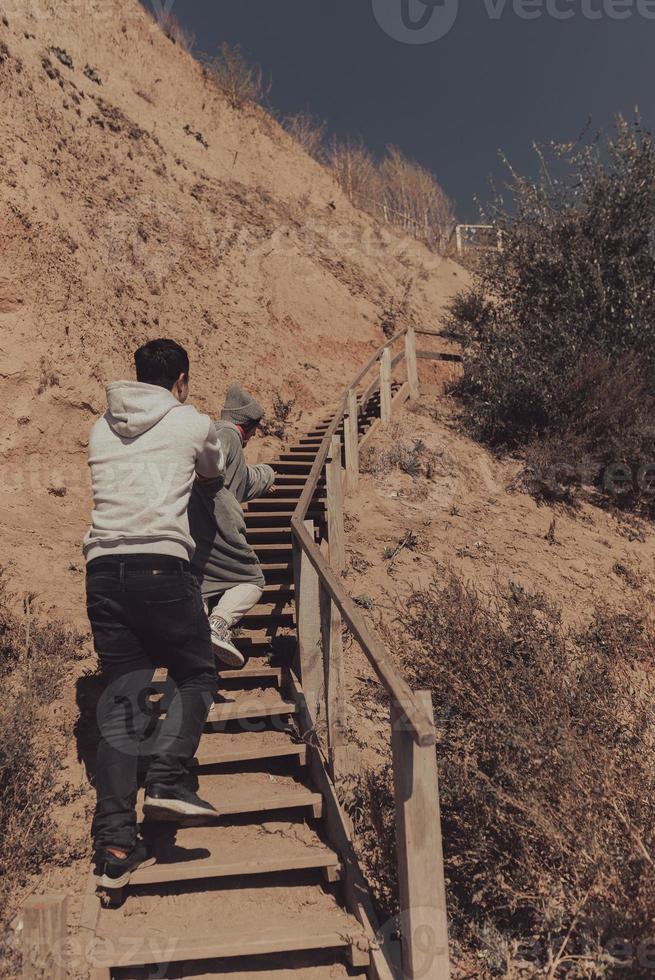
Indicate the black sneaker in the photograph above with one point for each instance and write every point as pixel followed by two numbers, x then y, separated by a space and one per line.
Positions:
pixel 113 872
pixel 166 802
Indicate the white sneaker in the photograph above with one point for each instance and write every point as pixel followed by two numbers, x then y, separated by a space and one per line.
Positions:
pixel 224 648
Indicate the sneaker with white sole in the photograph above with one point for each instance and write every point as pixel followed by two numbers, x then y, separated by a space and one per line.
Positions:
pixel 173 802
pixel 224 648
pixel 114 872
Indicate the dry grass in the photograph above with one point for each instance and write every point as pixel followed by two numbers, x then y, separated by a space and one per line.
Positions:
pixel 240 82
pixel 547 783
pixel 397 191
pixel 308 132
pixel 276 423
pixel 174 31
pixel 414 458
pixel 35 662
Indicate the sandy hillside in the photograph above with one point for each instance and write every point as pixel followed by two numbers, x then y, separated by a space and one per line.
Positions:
pixel 469 516
pixel 134 202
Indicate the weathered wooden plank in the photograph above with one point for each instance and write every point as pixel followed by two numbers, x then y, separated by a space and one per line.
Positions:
pixel 308 618
pixel 351 440
pixel 400 397
pixel 250 704
pixel 44 937
pixel 252 942
pixel 339 833
pixel 412 369
pixel 385 385
pixel 218 748
pixel 429 355
pixel 372 647
pixel 336 534
pixel 251 852
pixel 421 882
pixel 333 641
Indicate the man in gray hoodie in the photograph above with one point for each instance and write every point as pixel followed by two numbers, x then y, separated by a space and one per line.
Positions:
pixel 231 578
pixel 143 602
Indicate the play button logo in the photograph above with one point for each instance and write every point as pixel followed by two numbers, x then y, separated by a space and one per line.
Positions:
pixel 416 21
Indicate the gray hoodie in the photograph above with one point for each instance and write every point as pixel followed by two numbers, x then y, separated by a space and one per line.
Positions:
pixel 144 454
pixel 223 557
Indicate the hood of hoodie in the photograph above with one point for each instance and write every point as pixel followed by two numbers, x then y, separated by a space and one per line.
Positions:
pixel 135 407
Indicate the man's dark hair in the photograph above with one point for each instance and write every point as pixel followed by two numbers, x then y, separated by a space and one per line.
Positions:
pixel 161 362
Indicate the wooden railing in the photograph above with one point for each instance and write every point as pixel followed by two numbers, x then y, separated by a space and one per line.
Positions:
pixel 323 606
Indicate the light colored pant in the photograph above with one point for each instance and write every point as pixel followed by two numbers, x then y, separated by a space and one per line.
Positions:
pixel 236 602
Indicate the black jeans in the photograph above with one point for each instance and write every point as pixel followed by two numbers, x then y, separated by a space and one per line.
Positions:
pixel 145 612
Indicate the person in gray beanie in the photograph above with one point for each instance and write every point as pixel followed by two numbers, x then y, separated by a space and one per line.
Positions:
pixel 231 578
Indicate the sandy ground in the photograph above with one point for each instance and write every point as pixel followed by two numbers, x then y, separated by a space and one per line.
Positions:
pixel 118 222
pixel 469 517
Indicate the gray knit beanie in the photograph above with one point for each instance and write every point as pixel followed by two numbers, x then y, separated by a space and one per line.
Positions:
pixel 240 407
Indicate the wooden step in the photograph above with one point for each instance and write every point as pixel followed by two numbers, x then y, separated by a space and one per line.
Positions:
pixel 268 519
pixel 243 793
pixel 279 590
pixel 258 672
pixel 293 468
pixel 298 457
pixel 262 534
pixel 258 646
pixel 264 921
pixel 239 705
pixel 285 505
pixel 314 966
pixel 192 853
pixel 263 609
pixel 290 479
pixel 277 549
pixel 268 621
pixel 283 492
pixel 274 571
pixel 224 748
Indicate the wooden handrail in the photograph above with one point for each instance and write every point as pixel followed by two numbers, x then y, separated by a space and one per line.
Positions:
pixel 374 650
pixel 323 606
pixel 372 646
pixel 376 357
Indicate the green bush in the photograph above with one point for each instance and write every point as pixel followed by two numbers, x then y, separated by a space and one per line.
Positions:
pixel 560 326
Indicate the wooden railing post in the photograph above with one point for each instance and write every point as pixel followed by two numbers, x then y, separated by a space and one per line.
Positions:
pixel 421 883
pixel 412 370
pixel 308 618
pixel 351 442
pixel 385 385
pixel 335 680
pixel 44 938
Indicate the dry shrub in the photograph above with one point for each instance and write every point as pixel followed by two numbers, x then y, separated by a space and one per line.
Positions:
pixel 34 665
pixel 547 783
pixel 397 191
pixel 174 31
pixel 415 459
pixel 560 327
pixel 240 82
pixel 308 132
pixel 276 423
pixel 413 200
pixel 355 171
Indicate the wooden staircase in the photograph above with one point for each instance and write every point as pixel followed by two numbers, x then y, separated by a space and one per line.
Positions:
pixel 257 892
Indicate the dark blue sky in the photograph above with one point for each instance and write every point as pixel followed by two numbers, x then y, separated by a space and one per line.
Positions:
pixel 489 83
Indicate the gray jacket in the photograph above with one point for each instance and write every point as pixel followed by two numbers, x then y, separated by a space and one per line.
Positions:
pixel 223 557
